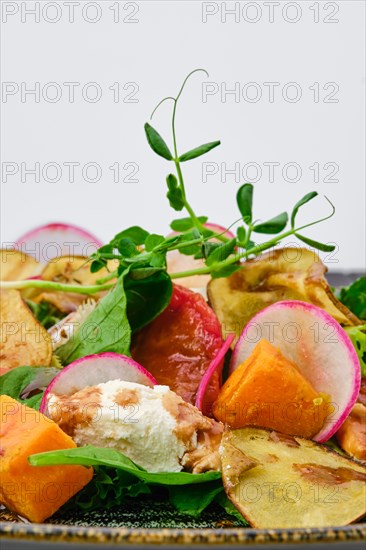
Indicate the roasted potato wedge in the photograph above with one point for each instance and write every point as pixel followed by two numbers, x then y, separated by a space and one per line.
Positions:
pixel 351 436
pixel 70 270
pixel 283 274
pixel 23 340
pixel 15 265
pixel 287 482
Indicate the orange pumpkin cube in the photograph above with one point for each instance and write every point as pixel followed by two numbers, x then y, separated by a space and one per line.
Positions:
pixel 34 492
pixel 268 390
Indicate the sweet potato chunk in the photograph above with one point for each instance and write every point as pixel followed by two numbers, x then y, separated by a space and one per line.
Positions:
pixel 289 482
pixel 34 492
pixel 23 340
pixel 283 274
pixel 268 390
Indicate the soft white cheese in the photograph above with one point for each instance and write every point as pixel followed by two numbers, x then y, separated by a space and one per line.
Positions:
pixel 141 428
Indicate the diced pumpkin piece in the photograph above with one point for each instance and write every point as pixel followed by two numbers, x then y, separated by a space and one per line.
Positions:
pixel 268 390
pixel 31 491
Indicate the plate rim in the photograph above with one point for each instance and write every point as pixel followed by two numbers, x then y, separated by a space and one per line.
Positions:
pixel 179 536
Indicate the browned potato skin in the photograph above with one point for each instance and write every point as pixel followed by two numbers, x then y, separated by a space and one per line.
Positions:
pixel 326 488
pixel 351 436
pixel 16 266
pixel 283 274
pixel 24 341
pixel 70 270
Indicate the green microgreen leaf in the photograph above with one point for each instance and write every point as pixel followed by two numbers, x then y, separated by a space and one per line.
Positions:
pixel 135 233
pixel 175 193
pixel 152 241
pixel 220 253
pixel 97 265
pixel 272 226
pixel 157 143
pixel 225 271
pixel 242 234
pixel 158 259
pixel 198 151
pixel 127 247
pixel 306 198
pixel 184 224
pixel 316 244
pixel 244 199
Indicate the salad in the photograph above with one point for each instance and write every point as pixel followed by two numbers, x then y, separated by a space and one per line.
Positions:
pixel 211 364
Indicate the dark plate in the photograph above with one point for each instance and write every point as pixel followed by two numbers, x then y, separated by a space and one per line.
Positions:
pixel 144 522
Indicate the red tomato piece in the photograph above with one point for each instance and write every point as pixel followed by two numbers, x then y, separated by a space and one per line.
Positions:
pixel 179 345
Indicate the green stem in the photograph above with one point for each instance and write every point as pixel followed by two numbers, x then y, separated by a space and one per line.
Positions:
pixel 254 250
pixel 51 285
pixel 109 277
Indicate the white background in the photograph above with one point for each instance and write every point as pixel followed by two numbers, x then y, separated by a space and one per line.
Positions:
pixel 166 41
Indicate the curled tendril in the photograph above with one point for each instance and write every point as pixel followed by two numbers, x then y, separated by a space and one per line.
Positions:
pixel 175 99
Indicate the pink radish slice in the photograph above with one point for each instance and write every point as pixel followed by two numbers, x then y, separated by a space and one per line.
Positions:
pixel 57 239
pixel 96 369
pixel 177 262
pixel 216 364
pixel 317 345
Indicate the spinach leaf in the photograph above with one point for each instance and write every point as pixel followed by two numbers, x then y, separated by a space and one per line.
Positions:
pixel 95 456
pixel 354 297
pixel 192 500
pixel 229 507
pixel 15 382
pixel 106 328
pixel 147 297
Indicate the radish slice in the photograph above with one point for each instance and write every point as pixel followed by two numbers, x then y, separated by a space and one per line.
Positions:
pixel 317 345
pixel 215 365
pixel 96 369
pixel 57 239
pixel 177 262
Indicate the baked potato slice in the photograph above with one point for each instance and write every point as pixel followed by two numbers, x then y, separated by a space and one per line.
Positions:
pixel 15 265
pixel 288 482
pixel 70 270
pixel 23 340
pixel 283 274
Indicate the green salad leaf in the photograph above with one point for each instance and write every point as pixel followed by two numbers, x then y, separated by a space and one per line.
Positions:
pixel 95 456
pixel 146 297
pixel 15 382
pixel 116 477
pixel 358 337
pixel 105 329
pixel 354 297
pixel 47 314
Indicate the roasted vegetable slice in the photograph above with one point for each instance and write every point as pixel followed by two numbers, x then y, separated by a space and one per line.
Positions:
pixel 69 270
pixel 351 436
pixel 15 266
pixel 24 341
pixel 279 481
pixel 283 274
